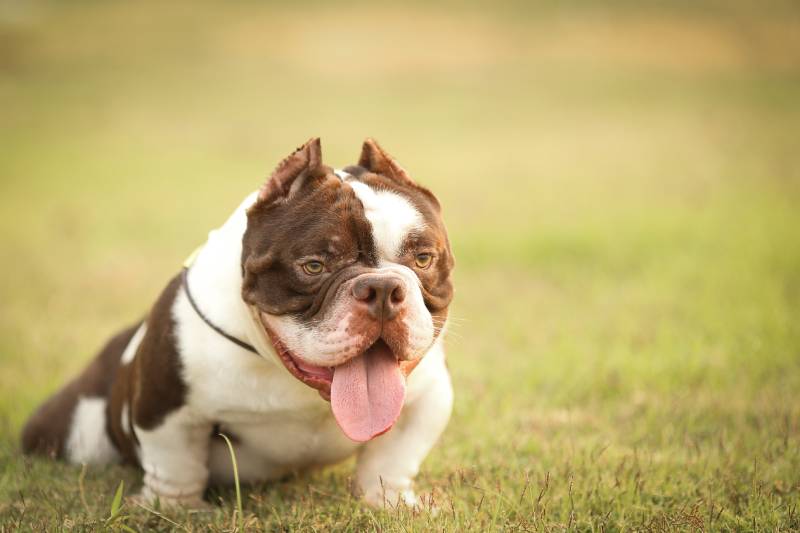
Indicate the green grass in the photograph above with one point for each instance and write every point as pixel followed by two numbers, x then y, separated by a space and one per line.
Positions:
pixel 622 188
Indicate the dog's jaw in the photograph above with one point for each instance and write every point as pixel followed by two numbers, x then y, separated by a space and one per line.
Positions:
pixel 311 353
pixel 320 377
pixel 316 377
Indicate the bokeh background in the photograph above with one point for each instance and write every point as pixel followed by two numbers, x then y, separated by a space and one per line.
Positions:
pixel 621 185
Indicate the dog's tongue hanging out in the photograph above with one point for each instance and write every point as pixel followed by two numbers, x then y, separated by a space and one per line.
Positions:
pixel 367 393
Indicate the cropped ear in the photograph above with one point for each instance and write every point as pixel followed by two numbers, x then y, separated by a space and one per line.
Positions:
pixel 300 167
pixel 376 160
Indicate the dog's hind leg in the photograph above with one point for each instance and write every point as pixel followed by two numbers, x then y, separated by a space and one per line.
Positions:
pixel 73 423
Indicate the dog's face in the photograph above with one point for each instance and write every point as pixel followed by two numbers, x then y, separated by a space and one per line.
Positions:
pixel 350 276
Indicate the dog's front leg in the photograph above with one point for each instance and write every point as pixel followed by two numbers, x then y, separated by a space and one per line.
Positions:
pixel 174 457
pixel 388 464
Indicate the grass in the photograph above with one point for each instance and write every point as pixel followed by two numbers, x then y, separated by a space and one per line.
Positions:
pixel 621 186
pixel 237 485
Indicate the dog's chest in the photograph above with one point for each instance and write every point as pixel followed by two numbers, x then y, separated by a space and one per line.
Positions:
pixel 264 408
pixel 294 440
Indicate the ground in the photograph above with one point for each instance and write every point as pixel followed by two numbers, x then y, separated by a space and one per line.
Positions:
pixel 621 185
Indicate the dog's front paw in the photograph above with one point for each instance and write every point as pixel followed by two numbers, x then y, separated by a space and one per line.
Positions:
pixel 149 499
pixel 383 496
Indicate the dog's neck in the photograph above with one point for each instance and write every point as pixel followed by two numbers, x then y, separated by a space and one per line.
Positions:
pixel 215 280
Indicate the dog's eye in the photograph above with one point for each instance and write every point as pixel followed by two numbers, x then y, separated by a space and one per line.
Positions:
pixel 313 268
pixel 424 260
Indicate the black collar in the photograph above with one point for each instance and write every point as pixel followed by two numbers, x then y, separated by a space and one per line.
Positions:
pixel 238 342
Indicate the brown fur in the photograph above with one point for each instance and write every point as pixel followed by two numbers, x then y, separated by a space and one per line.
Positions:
pixel 302 207
pixel 157 388
pixel 47 430
pixel 151 386
pixel 124 441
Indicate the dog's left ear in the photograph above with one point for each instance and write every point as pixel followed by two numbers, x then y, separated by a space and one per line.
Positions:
pixel 376 160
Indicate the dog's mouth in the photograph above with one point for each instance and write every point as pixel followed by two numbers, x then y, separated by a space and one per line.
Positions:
pixel 366 392
pixel 317 377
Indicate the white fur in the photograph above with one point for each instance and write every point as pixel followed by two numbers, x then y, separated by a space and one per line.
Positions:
pixel 174 457
pixel 87 441
pixel 281 424
pixel 125 418
pixel 215 277
pixel 342 174
pixel 392 217
pixel 133 345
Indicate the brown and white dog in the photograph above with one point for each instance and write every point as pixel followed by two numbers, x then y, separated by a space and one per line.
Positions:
pixel 306 327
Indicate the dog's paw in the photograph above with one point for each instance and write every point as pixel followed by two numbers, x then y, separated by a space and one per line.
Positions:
pixel 148 499
pixel 383 497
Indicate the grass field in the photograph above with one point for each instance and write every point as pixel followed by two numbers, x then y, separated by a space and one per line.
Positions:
pixel 622 188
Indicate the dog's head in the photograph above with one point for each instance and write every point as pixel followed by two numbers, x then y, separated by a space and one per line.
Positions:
pixel 349 273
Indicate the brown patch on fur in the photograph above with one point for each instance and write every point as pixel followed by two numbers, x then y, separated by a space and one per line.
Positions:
pixel 406 367
pixel 150 386
pixel 123 438
pixel 155 385
pixel 48 428
pixel 304 212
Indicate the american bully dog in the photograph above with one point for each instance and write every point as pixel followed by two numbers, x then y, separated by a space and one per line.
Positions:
pixel 308 328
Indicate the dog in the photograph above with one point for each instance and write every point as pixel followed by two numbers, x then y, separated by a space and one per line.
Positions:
pixel 308 328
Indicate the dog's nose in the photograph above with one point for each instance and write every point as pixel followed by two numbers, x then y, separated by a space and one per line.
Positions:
pixel 382 295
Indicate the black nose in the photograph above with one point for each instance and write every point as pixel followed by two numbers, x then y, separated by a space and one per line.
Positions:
pixel 382 294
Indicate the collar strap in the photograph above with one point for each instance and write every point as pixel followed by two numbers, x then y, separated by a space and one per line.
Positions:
pixel 238 342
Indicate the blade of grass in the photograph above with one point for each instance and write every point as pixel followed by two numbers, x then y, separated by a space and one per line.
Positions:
pixel 81 490
pixel 240 519
pixel 116 503
pixel 161 516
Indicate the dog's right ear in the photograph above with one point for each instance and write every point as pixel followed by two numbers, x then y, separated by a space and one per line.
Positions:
pixel 302 167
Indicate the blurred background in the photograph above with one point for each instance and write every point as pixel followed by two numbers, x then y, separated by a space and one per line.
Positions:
pixel 620 182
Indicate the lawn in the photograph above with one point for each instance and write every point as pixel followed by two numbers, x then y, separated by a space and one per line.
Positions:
pixel 621 184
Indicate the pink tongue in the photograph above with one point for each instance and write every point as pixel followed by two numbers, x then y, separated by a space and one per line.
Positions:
pixel 367 393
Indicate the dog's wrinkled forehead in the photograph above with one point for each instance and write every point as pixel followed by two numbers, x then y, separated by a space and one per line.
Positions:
pixel 358 218
pixel 391 214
